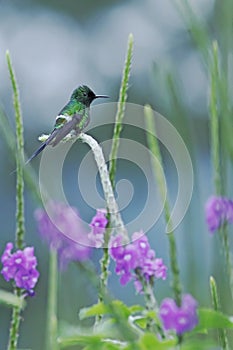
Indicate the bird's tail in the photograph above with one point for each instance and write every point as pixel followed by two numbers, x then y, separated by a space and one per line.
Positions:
pixel 40 149
pixel 43 145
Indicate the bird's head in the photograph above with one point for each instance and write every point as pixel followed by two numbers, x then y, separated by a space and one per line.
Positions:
pixel 85 95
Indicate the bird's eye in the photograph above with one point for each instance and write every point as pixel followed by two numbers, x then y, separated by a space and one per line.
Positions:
pixel 85 94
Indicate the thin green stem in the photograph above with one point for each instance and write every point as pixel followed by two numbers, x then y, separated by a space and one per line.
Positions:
pixel 159 175
pixel 105 260
pixel 108 178
pixel 51 335
pixel 8 134
pixel 216 305
pixel 20 228
pixel 195 26
pixel 224 237
pixel 120 111
pixel 104 264
pixel 214 119
pixel 153 325
pixel 15 322
pixel 214 106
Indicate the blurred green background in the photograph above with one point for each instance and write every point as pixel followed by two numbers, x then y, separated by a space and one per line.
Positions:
pixel 57 45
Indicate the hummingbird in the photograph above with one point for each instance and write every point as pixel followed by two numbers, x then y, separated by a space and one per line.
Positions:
pixel 73 117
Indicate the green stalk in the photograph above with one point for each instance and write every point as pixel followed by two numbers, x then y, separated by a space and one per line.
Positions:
pixel 153 325
pixel 20 229
pixel 14 328
pixel 116 222
pixel 214 120
pixel 195 26
pixel 216 153
pixel 105 260
pixel 216 305
pixel 52 332
pixel 8 134
pixel 120 111
pixel 159 176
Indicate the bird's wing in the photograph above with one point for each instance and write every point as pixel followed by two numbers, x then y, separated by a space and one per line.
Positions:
pixel 66 129
pixel 58 134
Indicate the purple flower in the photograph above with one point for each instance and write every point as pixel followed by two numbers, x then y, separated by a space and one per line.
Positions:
pixel 99 221
pixel 217 211
pixel 116 247
pixel 136 260
pixel 180 319
pixel 20 266
pixel 98 226
pixel 63 231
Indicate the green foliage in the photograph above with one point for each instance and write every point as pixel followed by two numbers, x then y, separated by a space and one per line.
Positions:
pixel 216 305
pixel 104 309
pixel 149 342
pixel 211 319
pixel 10 299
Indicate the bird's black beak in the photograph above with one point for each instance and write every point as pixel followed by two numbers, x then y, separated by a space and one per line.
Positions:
pixel 101 96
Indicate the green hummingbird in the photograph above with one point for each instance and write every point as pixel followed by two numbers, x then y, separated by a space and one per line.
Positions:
pixel 73 117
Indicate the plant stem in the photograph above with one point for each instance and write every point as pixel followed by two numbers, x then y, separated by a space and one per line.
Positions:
pixel 195 26
pixel 214 120
pixel 153 325
pixel 51 335
pixel 159 175
pixel 224 237
pixel 15 322
pixel 112 207
pixel 20 228
pixel 105 260
pixel 115 223
pixel 120 111
pixel 216 153
pixel 29 177
pixel 216 305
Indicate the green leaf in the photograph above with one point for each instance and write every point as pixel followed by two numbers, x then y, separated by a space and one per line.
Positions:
pixel 94 310
pixel 79 339
pixel 103 309
pixel 203 344
pixel 106 328
pixel 142 321
pixel 104 346
pixel 135 309
pixel 11 299
pixel 149 342
pixel 87 338
pixel 209 319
